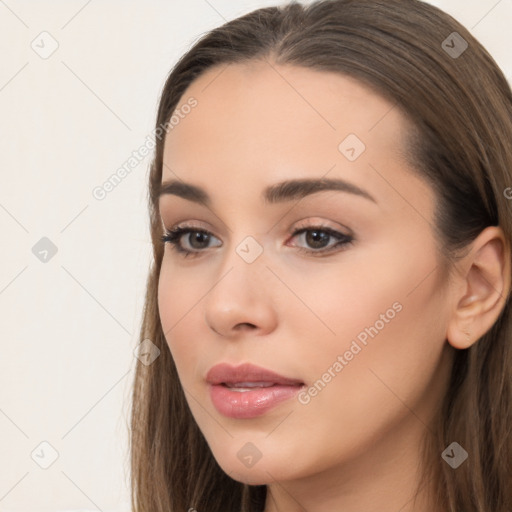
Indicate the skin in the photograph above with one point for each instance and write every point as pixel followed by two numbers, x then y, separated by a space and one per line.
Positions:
pixel 355 445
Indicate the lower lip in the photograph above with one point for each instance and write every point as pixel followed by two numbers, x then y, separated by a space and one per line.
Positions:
pixel 249 404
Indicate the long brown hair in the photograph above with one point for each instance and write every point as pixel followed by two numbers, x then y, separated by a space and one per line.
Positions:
pixel 460 105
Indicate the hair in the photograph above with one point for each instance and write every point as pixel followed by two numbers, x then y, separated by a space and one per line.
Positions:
pixel 460 109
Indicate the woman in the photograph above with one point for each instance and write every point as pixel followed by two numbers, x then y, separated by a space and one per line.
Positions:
pixel 330 293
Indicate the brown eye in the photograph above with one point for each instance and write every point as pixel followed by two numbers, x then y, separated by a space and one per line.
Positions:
pixel 199 237
pixel 317 238
pixel 198 240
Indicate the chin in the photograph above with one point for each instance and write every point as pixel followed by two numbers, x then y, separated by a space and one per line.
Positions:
pixel 250 478
pixel 258 471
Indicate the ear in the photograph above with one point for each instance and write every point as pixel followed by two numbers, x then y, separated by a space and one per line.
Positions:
pixel 481 287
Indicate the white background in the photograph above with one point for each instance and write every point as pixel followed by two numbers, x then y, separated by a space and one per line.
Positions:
pixel 69 326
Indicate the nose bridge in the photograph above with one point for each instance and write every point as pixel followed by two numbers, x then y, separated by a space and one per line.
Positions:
pixel 240 294
pixel 249 250
pixel 245 262
pixel 246 239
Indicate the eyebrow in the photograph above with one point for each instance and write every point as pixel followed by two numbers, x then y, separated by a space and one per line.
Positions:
pixel 284 191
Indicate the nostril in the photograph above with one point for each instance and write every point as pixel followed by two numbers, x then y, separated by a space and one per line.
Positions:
pixel 245 325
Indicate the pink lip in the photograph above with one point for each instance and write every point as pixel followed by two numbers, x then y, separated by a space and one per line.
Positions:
pixel 248 404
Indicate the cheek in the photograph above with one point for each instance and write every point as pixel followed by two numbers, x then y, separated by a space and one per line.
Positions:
pixel 180 292
pixel 384 296
pixel 389 331
pixel 333 303
pixel 179 296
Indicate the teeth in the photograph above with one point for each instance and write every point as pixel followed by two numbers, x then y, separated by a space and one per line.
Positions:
pixel 250 384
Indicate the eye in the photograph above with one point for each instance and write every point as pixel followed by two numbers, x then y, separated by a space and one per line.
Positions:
pixel 318 238
pixel 198 242
pixel 315 236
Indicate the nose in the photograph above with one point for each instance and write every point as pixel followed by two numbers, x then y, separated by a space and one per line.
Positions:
pixel 241 298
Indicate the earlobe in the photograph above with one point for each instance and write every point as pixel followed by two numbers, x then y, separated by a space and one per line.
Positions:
pixel 485 283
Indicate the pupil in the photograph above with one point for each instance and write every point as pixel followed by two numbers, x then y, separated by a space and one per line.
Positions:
pixel 197 238
pixel 313 237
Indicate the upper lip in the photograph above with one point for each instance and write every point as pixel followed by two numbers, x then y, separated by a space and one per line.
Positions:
pixel 224 373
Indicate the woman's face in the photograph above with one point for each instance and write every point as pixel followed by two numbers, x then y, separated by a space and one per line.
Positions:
pixel 352 309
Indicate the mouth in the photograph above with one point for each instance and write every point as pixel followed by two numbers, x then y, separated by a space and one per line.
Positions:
pixel 247 386
pixel 248 391
pixel 247 375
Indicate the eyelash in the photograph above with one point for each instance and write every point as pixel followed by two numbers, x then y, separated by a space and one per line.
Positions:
pixel 174 235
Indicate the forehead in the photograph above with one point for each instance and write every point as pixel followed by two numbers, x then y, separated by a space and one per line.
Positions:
pixel 261 103
pixel 258 123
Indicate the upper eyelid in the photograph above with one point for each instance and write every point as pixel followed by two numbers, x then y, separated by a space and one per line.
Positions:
pixel 304 223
